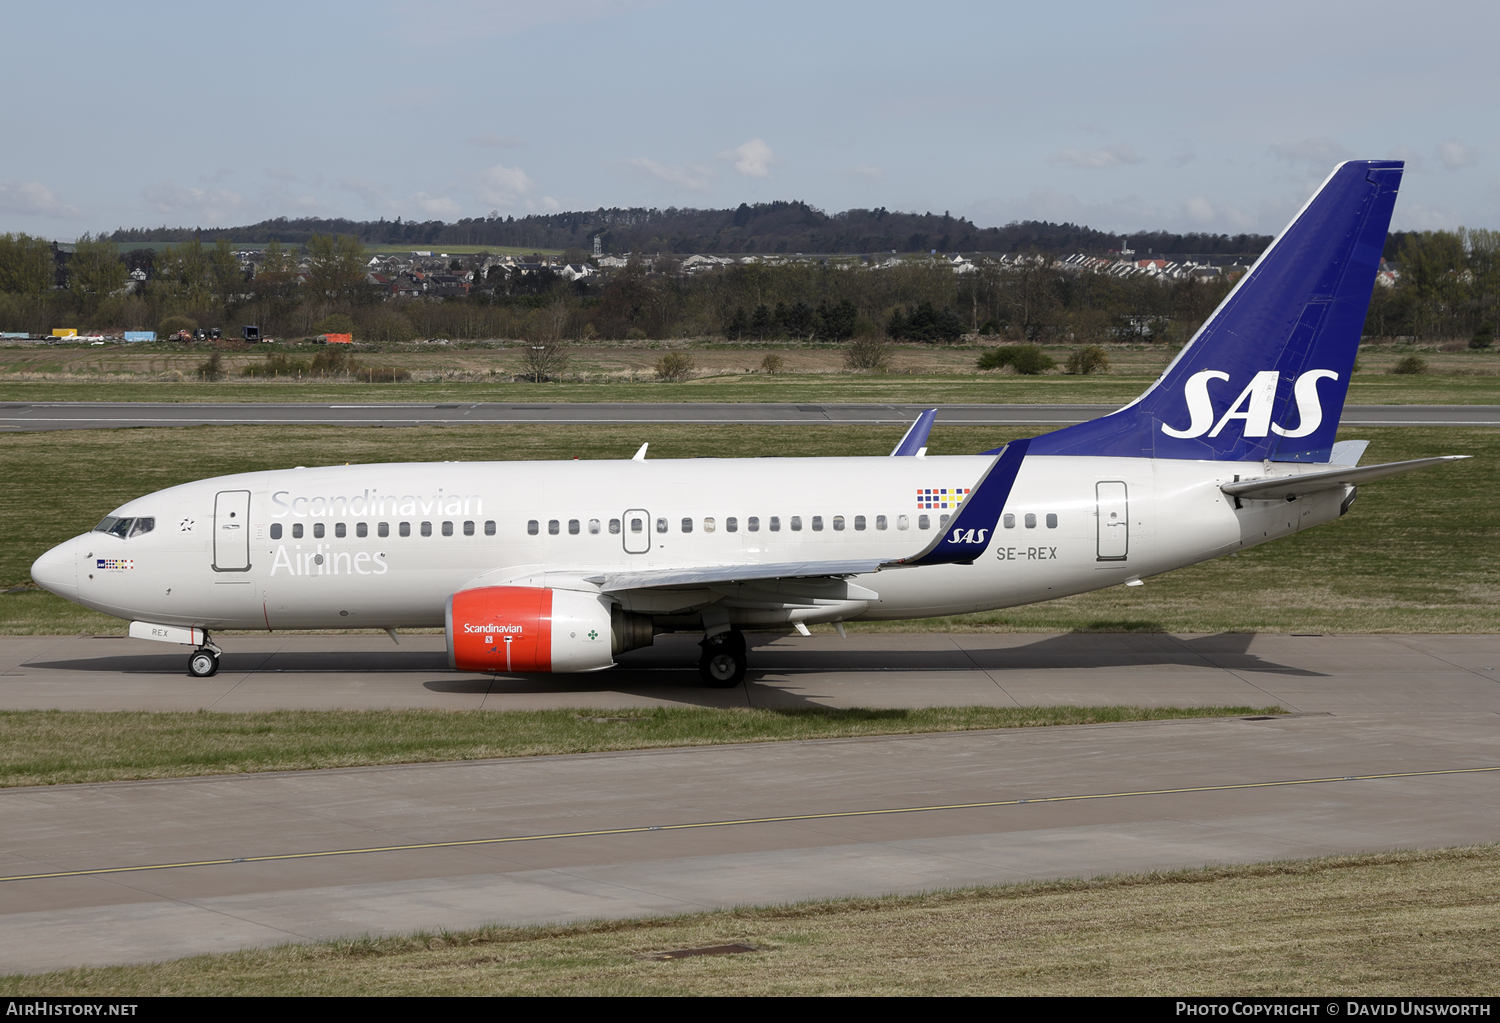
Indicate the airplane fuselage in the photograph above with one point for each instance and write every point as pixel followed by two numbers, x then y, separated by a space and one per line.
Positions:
pixel 385 546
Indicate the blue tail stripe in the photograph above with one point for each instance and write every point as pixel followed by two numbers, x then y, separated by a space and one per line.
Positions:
pixel 1266 375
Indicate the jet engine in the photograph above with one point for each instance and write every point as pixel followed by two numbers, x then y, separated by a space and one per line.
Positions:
pixel 536 628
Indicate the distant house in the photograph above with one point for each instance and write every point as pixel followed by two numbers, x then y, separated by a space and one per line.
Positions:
pixel 577 271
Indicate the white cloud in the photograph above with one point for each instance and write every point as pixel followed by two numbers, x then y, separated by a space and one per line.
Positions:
pixel 1414 160
pixel 1319 152
pixel 1222 216
pixel 202 204
pixel 693 177
pixel 373 195
pixel 504 186
pixel 1455 154
pixel 437 206
pixel 32 197
pixel 753 159
pixel 1098 159
pixel 870 171
pixel 492 140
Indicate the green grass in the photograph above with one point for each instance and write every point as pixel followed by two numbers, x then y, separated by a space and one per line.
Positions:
pixel 1416 553
pixel 1400 924
pixel 52 747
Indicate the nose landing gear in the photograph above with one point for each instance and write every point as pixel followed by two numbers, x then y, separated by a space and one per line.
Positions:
pixel 723 663
pixel 204 661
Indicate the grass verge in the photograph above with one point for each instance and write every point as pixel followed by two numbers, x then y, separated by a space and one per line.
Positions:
pixel 1408 558
pixel 53 747
pixel 1402 923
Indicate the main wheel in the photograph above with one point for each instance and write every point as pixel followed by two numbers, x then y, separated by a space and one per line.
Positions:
pixel 724 660
pixel 203 663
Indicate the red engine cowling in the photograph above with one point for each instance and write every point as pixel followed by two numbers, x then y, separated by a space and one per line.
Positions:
pixel 528 628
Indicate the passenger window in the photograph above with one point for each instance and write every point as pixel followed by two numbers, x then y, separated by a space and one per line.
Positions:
pixel 318 530
pixel 532 528
pixel 275 531
pixel 489 527
pixel 340 531
pixel 903 522
pixel 687 525
pixel 1051 520
pixel 775 523
pixel 943 521
pixel 447 529
pixel 404 529
pixel 554 527
pixel 859 522
pixel 731 525
pixel 594 526
pixel 661 525
pixel 753 523
pixel 427 529
pixel 1030 520
pixel 296 530
pixel 880 522
pixel 469 528
pixel 796 523
pixel 384 529
pixel 614 525
pixel 817 523
pixel 708 525
pixel 142 526
pixel 838 523
pixel 361 529
pixel 924 521
pixel 1010 521
pixel 573 527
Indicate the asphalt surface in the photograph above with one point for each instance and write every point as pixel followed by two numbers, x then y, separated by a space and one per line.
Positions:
pixel 1393 743
pixel 17 417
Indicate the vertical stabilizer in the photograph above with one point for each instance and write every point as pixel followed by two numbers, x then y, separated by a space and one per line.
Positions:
pixel 1266 374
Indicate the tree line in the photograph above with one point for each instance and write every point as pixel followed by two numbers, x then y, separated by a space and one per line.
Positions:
pixel 1447 288
pixel 769 227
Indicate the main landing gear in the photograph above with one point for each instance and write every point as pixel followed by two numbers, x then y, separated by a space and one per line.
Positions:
pixel 204 661
pixel 723 662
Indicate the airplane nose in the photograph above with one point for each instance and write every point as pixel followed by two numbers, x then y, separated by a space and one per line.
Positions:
pixel 57 570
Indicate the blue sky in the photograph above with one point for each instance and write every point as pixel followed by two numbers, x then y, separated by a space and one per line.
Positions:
pixel 1122 116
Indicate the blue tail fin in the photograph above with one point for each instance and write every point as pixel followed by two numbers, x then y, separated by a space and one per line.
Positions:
pixel 1265 376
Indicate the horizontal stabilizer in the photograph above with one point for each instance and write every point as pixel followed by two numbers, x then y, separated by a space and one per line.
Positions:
pixel 1284 488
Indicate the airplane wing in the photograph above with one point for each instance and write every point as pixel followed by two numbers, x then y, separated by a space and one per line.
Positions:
pixel 616 582
pixel 1285 488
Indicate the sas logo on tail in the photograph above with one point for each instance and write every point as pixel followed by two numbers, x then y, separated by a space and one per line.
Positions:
pixel 968 536
pixel 1254 405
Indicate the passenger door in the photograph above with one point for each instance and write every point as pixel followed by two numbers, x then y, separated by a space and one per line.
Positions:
pixel 1114 520
pixel 232 531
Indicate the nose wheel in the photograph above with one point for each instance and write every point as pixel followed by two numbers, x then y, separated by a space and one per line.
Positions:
pixel 723 663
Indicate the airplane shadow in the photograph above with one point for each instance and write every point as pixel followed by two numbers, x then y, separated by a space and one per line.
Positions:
pixel 668 668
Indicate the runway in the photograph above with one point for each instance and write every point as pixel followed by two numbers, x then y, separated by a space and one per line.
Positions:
pixel 25 417
pixel 1392 743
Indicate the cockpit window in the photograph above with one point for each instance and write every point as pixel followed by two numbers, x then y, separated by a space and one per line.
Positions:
pixel 114 526
pixel 140 526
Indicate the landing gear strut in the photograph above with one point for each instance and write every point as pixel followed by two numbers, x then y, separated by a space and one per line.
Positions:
pixel 204 661
pixel 723 662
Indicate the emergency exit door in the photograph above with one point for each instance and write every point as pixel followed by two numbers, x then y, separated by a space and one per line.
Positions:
pixel 232 531
pixel 636 525
pixel 1114 520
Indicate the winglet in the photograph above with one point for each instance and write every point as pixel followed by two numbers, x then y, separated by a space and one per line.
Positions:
pixel 640 456
pixel 967 534
pixel 916 438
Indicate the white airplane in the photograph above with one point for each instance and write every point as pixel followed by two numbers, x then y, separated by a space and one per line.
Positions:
pixel 560 566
